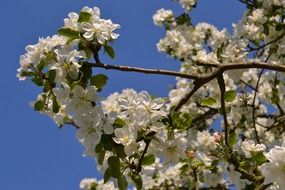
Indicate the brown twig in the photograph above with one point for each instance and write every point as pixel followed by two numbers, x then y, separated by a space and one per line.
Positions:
pixel 143 70
pixel 223 107
pixel 253 107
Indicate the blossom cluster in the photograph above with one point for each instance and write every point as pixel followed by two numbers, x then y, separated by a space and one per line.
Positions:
pixel 219 138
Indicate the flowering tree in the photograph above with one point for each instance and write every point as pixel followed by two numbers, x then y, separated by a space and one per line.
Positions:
pixel 233 79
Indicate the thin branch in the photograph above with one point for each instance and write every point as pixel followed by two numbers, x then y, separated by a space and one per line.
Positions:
pixel 250 65
pixel 268 43
pixel 253 106
pixel 223 107
pixel 219 68
pixel 207 114
pixel 185 99
pixel 280 108
pixel 200 80
pixel 275 88
pixel 196 178
pixel 248 85
pixel 139 166
pixel 197 84
pixel 222 68
pixel 143 70
pixel 207 64
pixel 244 174
pixel 263 186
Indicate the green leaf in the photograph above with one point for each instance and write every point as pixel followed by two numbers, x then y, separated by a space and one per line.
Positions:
pixel 41 65
pixel 107 175
pixel 27 73
pixel 184 168
pixel 101 157
pixel 244 164
pixel 99 148
pixel 209 101
pixel 275 96
pixel 181 121
pixel 86 71
pixel 68 32
pixel 119 123
pixel 250 187
pixel 232 139
pixel 137 179
pixel 183 19
pixel 107 141
pixel 148 160
pixel 122 183
pixel 84 17
pixel 279 27
pixel 84 47
pixel 93 186
pixel 39 105
pixel 215 163
pixel 230 95
pixel 55 105
pixel 52 75
pixel 114 166
pixel 196 163
pixel 37 80
pixel 110 51
pixel 220 51
pixel 99 81
pixel 119 150
pixel 266 28
pixel 259 157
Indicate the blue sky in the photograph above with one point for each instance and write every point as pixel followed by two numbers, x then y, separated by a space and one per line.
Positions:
pixel 34 154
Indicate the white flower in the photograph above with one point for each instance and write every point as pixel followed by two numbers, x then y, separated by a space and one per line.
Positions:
pixel 67 63
pixel 62 93
pixel 175 44
pixel 126 137
pixel 37 52
pixel 150 104
pixel 108 125
pixel 257 16
pixel 173 150
pixel 162 16
pixel 274 170
pixel 187 4
pixel 95 12
pixel 249 147
pixel 83 99
pixel 205 141
pixel 101 30
pixel 212 179
pixel 87 183
pixel 235 178
pixel 90 129
pixel 90 183
pixel 72 21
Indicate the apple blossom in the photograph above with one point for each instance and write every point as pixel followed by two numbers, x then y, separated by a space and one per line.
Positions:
pixel 220 125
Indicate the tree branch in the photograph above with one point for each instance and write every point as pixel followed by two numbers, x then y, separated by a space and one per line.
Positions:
pixel 200 80
pixel 253 106
pixel 143 70
pixel 263 186
pixel 268 43
pixel 223 107
pixel 185 99
pixel 221 68
pixel 244 174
